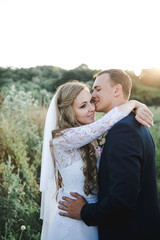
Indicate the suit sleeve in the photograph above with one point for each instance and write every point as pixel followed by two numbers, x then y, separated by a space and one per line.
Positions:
pixel 124 153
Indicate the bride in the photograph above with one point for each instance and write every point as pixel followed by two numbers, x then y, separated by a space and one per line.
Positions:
pixel 70 163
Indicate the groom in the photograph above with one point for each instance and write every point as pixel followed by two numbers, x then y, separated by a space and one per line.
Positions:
pixel 127 206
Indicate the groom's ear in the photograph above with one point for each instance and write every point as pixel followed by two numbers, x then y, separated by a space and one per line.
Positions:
pixel 117 90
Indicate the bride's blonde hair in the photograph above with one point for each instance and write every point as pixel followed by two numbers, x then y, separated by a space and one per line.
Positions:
pixel 65 97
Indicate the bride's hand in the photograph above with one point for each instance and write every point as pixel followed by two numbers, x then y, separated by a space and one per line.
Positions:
pixel 144 116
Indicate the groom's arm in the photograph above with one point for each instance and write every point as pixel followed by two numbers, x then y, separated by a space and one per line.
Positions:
pixel 125 153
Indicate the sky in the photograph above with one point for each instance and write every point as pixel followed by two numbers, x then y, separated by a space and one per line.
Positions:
pixel 102 34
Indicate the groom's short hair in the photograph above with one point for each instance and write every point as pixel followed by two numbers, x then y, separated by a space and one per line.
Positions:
pixel 118 76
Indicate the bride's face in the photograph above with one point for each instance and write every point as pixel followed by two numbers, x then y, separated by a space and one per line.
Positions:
pixel 84 107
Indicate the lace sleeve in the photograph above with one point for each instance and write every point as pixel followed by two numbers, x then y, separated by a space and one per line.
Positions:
pixel 74 138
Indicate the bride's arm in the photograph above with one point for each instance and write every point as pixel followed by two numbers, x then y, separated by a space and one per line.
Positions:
pixel 74 138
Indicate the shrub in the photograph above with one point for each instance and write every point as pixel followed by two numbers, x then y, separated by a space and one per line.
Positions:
pixel 21 130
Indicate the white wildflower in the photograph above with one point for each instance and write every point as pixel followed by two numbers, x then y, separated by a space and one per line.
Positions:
pixel 23 227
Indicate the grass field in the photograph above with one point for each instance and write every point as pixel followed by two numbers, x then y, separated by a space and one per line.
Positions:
pixel 21 134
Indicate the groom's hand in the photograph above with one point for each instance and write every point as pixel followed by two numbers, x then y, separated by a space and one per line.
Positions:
pixel 72 206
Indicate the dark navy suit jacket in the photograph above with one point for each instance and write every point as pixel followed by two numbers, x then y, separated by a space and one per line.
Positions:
pixel 127 206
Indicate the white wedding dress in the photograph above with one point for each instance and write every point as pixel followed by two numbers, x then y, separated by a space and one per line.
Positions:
pixel 70 164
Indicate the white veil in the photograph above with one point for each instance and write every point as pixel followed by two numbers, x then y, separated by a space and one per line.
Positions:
pixel 47 179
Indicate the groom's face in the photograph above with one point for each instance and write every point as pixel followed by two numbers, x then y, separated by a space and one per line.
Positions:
pixel 103 93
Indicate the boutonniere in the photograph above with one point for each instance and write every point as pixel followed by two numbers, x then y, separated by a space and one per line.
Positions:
pixel 101 140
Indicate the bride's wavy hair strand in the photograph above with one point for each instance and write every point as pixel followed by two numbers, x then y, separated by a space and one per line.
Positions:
pixel 65 97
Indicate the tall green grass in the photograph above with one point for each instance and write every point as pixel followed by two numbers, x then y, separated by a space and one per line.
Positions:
pixel 155 131
pixel 21 133
pixel 21 129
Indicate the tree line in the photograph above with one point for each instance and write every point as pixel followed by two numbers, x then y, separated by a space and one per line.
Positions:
pixel 43 81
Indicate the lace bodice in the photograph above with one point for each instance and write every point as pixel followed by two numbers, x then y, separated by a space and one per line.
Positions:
pixel 66 147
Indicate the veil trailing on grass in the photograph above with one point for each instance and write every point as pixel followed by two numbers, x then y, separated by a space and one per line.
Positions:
pixel 47 179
